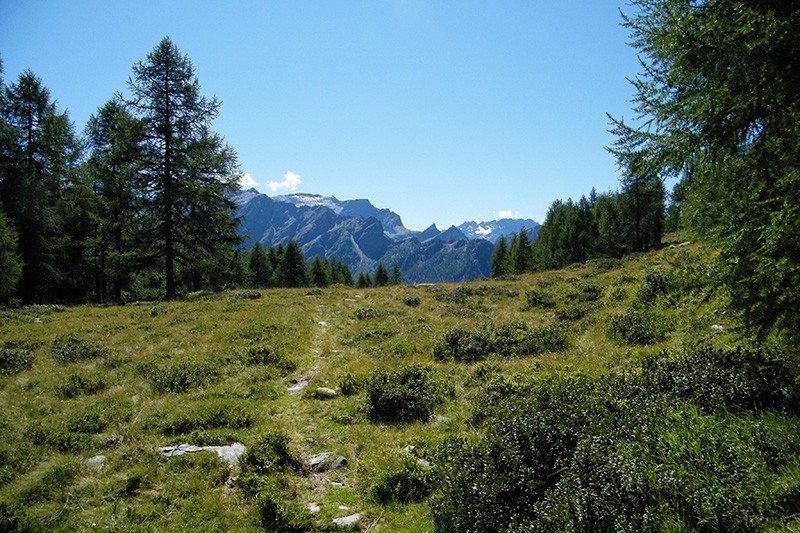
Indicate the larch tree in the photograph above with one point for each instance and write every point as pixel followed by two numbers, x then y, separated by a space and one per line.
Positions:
pixel 186 170
pixel 38 154
pixel 720 110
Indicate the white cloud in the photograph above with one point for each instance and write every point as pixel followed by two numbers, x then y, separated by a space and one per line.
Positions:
pixel 246 181
pixel 505 213
pixel 290 181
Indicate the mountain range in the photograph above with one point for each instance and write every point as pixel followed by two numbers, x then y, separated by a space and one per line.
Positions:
pixel 362 235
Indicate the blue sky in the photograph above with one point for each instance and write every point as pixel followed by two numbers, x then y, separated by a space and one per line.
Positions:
pixel 441 111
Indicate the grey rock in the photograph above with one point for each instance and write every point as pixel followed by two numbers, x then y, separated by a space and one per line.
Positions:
pixel 313 508
pixel 96 463
pixel 230 454
pixel 338 463
pixel 347 521
pixel 316 460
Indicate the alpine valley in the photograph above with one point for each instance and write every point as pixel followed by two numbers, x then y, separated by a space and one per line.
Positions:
pixel 362 235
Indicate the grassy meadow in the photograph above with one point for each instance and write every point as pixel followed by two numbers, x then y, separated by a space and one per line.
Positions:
pixel 214 369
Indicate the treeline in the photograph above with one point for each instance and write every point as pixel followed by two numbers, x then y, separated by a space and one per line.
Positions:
pixel 603 225
pixel 137 206
pixel 286 266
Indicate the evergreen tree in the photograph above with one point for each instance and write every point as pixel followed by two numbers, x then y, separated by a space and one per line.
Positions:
pixel 186 169
pixel 292 267
pixel 719 95
pixel 318 273
pixel 340 273
pixel 397 275
pixel 364 280
pixel 381 276
pixel 499 261
pixel 38 152
pixel 10 263
pixel 521 253
pixel 113 137
pixel 259 266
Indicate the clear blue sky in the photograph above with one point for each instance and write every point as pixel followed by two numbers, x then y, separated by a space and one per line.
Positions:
pixel 443 111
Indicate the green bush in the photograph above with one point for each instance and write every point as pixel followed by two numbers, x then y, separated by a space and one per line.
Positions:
pixel 655 283
pixel 178 376
pixel 366 313
pixel 637 328
pixel 572 312
pixel 270 456
pixel 350 385
pixel 515 339
pixel 77 385
pixel 215 414
pixel 724 379
pixel 587 292
pixel 261 354
pixel 464 346
pixel 14 360
pixel 403 395
pixel 681 442
pixel 71 348
pixel 534 299
pixel 411 301
pixel 410 480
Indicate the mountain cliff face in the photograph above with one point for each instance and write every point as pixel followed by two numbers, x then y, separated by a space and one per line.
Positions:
pixel 362 235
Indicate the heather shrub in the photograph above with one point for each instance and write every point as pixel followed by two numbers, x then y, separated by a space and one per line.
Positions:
pixel 71 348
pixel 77 385
pixel 409 480
pixel 178 376
pixel 402 395
pixel 637 328
pixel 15 360
pixel 411 301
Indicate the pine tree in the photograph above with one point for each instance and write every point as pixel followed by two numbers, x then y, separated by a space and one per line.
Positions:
pixel 381 276
pixel 186 169
pixel 292 267
pixel 397 275
pixel 113 137
pixel 318 273
pixel 499 261
pixel 38 153
pixel 259 266
pixel 364 280
pixel 718 96
pixel 520 253
pixel 10 263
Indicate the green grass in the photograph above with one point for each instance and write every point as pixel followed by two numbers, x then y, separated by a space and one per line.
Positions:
pixel 122 381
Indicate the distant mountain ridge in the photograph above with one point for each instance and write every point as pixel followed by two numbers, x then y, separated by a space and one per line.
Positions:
pixel 362 235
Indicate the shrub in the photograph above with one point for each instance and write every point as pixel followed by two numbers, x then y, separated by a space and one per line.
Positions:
pixel 655 283
pixel 350 385
pixel 366 313
pixel 534 299
pixel 77 385
pixel 465 346
pixel 271 453
pixel 410 480
pixel 723 379
pixel 572 312
pixel 587 292
pixel 411 301
pixel 206 415
pixel 71 348
pixel 178 376
pixel 403 395
pixel 511 340
pixel 261 354
pixel 14 360
pixel 245 295
pixel 637 327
